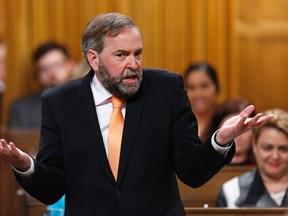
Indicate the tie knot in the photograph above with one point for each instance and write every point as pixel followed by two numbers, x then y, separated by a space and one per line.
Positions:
pixel 117 102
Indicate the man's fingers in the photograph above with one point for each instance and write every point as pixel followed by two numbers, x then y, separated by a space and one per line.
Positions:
pixel 257 120
pixel 263 119
pixel 3 143
pixel 241 122
pixel 247 111
pixel 250 122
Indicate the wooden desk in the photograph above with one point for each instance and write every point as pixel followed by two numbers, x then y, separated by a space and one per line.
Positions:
pixel 207 193
pixel 236 212
pixel 33 207
pixel 12 201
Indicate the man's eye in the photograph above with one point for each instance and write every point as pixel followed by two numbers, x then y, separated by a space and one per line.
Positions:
pixel 120 55
pixel 138 55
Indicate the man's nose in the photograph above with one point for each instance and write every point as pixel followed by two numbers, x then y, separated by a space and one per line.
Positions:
pixel 132 62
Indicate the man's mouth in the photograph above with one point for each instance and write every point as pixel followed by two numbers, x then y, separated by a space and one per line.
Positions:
pixel 131 79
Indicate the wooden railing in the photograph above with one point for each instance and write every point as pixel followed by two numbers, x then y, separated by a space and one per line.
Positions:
pixel 207 193
pixel 12 199
pixel 236 212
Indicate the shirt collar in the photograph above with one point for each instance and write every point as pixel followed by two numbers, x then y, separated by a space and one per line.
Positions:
pixel 100 94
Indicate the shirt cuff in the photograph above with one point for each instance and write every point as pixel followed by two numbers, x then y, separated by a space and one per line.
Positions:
pixel 222 150
pixel 27 173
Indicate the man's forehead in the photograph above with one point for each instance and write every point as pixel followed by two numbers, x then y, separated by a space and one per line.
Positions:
pixel 124 39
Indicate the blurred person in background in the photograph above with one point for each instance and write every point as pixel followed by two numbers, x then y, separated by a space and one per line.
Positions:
pixel 54 66
pixel 265 186
pixel 2 64
pixel 2 72
pixel 202 87
pixel 232 107
pixel 81 69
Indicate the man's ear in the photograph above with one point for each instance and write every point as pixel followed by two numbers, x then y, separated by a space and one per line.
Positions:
pixel 93 59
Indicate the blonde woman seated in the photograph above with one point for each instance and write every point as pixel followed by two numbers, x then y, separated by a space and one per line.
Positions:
pixel 266 186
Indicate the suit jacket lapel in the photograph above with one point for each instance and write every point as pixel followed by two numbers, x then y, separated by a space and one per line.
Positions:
pixel 89 118
pixel 134 108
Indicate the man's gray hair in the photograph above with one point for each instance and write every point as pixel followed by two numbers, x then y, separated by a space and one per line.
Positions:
pixel 101 26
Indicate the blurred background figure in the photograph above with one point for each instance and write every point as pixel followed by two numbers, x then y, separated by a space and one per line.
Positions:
pixel 2 65
pixel 54 66
pixel 2 73
pixel 81 68
pixel 231 107
pixel 265 186
pixel 202 87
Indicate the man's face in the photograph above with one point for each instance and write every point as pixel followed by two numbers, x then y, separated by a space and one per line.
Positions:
pixel 120 63
pixel 54 68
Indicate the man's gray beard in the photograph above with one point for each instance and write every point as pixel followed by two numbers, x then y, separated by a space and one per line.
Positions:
pixel 115 85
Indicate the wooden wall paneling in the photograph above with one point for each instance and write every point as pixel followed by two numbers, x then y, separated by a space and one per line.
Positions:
pixel 40 22
pixel 268 70
pixel 74 27
pixel 212 30
pixel 197 30
pixel 232 78
pixel 18 44
pixel 150 19
pixel 127 7
pixel 274 72
pixel 93 8
pixel 153 27
pixel 177 35
pixel 2 18
pixel 216 48
pixel 57 20
pixel 171 34
pixel 184 36
pixel 262 36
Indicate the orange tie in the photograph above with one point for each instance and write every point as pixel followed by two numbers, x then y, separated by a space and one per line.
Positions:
pixel 115 135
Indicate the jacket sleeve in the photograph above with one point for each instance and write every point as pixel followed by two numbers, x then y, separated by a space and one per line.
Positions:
pixel 194 162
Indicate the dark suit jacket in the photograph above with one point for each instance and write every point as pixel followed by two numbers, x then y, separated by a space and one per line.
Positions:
pixel 25 112
pixel 159 140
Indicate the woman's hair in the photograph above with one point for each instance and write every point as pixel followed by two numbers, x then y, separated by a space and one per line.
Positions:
pixel 208 69
pixel 279 122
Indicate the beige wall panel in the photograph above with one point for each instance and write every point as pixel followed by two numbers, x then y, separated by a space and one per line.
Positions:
pixel 263 72
pixel 261 35
pixel 2 18
pixel 217 41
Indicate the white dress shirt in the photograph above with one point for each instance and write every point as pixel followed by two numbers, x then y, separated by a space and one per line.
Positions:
pixel 104 108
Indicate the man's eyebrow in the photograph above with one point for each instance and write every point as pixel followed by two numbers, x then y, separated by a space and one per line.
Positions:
pixel 126 51
pixel 139 50
pixel 120 50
